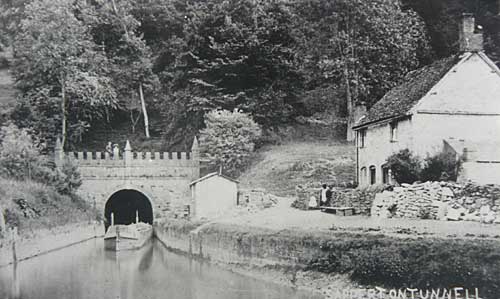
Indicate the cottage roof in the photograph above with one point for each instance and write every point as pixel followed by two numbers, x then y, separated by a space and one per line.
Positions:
pixel 401 99
pixel 211 175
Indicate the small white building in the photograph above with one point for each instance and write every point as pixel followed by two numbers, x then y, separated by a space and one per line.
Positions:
pixel 456 98
pixel 213 195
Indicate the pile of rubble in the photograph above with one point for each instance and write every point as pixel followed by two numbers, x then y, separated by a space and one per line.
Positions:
pixel 256 199
pixel 440 200
pixel 302 196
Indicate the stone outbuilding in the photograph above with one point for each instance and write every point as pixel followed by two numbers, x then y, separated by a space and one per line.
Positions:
pixel 456 98
pixel 213 195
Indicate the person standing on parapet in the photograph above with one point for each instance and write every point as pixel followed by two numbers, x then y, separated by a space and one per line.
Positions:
pixel 116 151
pixel 109 148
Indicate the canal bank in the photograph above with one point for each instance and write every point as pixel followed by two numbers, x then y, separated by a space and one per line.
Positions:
pixel 41 241
pixel 280 257
pixel 329 261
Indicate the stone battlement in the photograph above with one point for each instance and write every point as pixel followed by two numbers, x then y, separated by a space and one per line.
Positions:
pixel 130 158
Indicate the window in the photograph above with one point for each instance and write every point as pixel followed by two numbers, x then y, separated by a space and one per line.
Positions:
pixel 373 178
pixel 386 175
pixel 361 138
pixel 362 176
pixel 394 131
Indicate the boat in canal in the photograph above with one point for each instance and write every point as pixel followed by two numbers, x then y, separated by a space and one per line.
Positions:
pixel 127 237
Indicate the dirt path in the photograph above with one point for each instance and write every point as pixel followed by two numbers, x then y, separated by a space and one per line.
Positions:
pixel 282 217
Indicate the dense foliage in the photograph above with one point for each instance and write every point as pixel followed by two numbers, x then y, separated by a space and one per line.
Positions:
pixel 405 166
pixel 229 139
pixel 21 159
pixel 413 263
pixel 78 63
pixel 408 168
pixel 441 167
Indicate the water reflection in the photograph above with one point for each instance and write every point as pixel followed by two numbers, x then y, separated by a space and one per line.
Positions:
pixel 86 270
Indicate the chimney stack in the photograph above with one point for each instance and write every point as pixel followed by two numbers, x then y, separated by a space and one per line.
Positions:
pixel 470 39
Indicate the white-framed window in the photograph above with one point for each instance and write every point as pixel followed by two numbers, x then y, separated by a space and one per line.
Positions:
pixel 373 175
pixel 362 176
pixel 386 174
pixel 394 131
pixel 361 138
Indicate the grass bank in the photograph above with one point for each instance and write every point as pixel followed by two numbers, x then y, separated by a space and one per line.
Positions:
pixel 32 206
pixel 367 260
pixel 280 168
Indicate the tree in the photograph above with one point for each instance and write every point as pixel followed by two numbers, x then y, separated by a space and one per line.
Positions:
pixel 229 139
pixel 58 63
pixel 229 54
pixel 21 159
pixel 442 18
pixel 116 29
pixel 10 18
pixel 363 47
pixel 19 153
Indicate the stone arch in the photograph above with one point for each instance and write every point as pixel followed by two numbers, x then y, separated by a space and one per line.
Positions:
pixel 125 204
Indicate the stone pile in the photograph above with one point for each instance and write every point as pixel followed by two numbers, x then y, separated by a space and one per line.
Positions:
pixel 440 200
pixel 360 199
pixel 302 196
pixel 256 198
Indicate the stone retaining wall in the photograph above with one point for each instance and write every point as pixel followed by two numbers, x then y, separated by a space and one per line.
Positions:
pixel 440 200
pixel 232 244
pixel 361 199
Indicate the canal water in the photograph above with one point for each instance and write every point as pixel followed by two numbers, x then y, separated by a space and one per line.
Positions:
pixel 86 270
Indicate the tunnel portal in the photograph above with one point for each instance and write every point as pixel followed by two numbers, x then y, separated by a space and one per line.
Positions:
pixel 125 204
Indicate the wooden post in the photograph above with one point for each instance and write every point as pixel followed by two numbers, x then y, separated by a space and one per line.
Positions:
pixel 112 219
pixel 13 234
pixel 2 223
pixel 16 286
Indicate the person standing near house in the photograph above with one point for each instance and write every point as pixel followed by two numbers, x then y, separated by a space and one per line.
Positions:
pixel 322 196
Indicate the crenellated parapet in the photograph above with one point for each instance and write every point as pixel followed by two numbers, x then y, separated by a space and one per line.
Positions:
pixel 129 158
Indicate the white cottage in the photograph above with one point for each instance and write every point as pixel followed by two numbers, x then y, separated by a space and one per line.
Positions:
pixel 213 195
pixel 453 101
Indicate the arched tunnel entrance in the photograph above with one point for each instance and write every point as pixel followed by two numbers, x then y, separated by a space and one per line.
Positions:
pixel 124 205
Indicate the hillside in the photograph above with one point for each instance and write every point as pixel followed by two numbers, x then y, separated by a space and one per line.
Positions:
pixel 280 168
pixel 30 205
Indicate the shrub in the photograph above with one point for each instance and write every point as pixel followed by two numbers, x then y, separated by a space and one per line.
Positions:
pixel 441 167
pixel 19 153
pixel 67 179
pixel 405 166
pixel 20 159
pixel 229 139
pixel 408 168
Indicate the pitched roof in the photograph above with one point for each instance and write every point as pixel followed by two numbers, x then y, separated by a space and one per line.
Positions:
pixel 399 100
pixel 211 175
